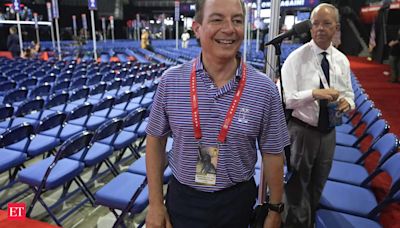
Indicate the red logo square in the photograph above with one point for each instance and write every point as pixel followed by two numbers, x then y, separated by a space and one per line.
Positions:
pixel 16 211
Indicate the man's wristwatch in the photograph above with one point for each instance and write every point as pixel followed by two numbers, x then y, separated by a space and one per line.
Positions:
pixel 278 207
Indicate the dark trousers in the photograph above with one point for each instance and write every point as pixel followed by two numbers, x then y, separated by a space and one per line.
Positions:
pixel 232 207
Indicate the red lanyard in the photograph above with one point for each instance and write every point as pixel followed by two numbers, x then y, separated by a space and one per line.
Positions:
pixel 229 115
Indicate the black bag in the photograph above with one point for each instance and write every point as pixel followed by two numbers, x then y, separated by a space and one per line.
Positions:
pixel 259 215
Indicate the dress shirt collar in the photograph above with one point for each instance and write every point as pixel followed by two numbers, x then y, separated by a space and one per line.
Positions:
pixel 317 50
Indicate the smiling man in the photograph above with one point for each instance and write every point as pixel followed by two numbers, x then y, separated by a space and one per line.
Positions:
pixel 317 86
pixel 217 109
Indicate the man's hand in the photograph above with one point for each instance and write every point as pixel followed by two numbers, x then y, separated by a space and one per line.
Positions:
pixel 325 94
pixel 157 217
pixel 273 220
pixel 343 105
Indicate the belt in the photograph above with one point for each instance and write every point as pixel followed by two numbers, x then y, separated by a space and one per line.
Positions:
pixel 308 126
pixel 174 181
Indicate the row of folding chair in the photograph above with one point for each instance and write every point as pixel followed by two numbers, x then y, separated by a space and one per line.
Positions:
pixel 128 192
pixel 113 135
pixel 347 199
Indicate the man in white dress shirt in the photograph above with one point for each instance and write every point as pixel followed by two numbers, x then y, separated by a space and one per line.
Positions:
pixel 315 76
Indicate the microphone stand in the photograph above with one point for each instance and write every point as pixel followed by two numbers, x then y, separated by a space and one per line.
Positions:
pixel 287 112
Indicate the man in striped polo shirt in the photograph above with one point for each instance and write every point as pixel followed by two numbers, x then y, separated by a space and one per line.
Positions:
pixel 217 109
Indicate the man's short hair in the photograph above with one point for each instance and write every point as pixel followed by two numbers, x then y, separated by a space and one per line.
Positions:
pixel 327 5
pixel 200 8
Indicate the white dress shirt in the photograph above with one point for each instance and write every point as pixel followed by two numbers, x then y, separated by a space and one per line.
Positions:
pixel 301 73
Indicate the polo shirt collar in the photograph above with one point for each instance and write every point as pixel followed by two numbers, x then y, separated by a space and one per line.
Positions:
pixel 238 72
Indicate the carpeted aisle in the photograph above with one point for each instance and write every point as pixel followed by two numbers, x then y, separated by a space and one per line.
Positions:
pixel 26 223
pixel 386 97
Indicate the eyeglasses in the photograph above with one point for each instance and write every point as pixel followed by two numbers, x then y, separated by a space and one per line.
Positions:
pixel 324 25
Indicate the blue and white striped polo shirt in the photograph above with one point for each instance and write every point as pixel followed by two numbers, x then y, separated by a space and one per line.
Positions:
pixel 259 116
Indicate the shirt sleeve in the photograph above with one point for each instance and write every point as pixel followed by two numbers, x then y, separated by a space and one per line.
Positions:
pixel 274 136
pixel 293 97
pixel 158 125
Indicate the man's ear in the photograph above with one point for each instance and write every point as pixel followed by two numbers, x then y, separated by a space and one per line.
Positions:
pixel 195 28
pixel 337 26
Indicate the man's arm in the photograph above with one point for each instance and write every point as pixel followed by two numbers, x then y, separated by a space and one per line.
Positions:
pixel 273 176
pixel 155 163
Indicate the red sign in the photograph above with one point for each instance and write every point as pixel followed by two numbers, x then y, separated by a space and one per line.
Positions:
pixel 16 211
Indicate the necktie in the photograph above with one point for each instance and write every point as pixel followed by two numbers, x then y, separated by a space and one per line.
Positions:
pixel 323 120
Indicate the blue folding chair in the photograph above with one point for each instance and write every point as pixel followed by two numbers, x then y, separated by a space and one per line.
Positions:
pixel 6 112
pixel 99 152
pixel 356 174
pixel 9 158
pixel 333 219
pixel 15 97
pixel 56 171
pixel 349 128
pixel 127 136
pixel 360 201
pixel 376 130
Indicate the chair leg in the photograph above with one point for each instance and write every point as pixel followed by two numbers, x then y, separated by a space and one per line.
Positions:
pixel 85 190
pixel 112 167
pixel 35 199
pixel 52 215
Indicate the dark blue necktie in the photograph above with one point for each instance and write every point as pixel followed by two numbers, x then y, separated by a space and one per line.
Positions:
pixel 323 120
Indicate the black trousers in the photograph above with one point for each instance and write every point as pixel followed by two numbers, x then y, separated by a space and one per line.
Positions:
pixel 231 207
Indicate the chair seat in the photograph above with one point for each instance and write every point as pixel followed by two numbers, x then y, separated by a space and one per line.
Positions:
pixel 344 139
pixel 139 167
pixel 39 145
pixel 19 120
pixel 334 219
pixel 4 124
pixel 347 198
pixel 346 154
pixel 347 173
pixel 64 171
pixel 123 140
pixel 70 130
pixel 118 192
pixel 97 153
pixel 113 113
pixel 344 128
pixel 10 159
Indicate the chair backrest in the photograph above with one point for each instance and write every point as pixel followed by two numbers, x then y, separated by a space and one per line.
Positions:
pixel 30 106
pixel 7 86
pixel 16 134
pixel 29 82
pixel 63 85
pixel 15 96
pixel 48 79
pixel 125 97
pixel 392 168
pixel 6 111
pixel 79 93
pixel 74 144
pixel 94 79
pixel 51 121
pixel 81 110
pixel 99 88
pixel 107 129
pixel 41 90
pixel 19 77
pixel 57 99
pixel 386 145
pixel 373 115
pixel 78 82
pixel 134 117
pixel 105 103
pixel 377 129
pixel 114 85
